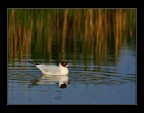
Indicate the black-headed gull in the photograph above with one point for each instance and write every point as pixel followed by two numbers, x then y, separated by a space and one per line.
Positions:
pixel 62 69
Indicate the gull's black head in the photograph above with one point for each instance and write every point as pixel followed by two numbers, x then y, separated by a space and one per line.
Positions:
pixel 64 63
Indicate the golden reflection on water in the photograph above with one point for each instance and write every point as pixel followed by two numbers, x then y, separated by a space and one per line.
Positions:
pixel 101 31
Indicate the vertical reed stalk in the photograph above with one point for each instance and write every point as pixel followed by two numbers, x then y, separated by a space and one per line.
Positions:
pixel 64 31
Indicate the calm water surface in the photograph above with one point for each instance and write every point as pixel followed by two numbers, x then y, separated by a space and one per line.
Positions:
pixel 113 84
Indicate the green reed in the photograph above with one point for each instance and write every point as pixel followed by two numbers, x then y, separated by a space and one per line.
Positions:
pixel 102 31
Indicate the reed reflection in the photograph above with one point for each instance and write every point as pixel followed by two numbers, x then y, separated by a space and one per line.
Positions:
pixel 57 33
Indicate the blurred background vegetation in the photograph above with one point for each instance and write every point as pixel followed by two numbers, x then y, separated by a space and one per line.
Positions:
pixel 58 33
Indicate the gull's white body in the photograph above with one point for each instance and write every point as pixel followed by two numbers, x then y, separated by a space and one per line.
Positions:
pixel 53 70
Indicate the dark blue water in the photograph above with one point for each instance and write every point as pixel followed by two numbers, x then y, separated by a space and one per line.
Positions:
pixel 110 83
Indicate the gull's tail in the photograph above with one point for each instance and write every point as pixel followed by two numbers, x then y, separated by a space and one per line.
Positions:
pixel 33 63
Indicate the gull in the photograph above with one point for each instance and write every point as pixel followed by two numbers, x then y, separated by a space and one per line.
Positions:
pixel 62 69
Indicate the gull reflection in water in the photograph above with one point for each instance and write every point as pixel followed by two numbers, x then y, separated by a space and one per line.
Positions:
pixel 62 80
